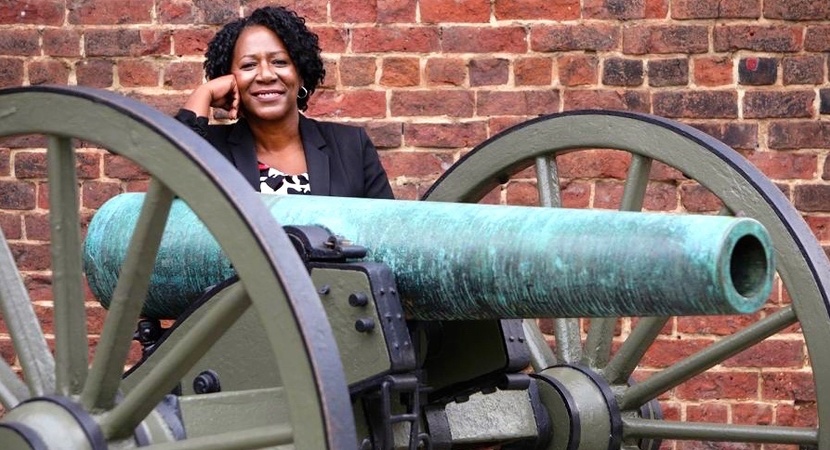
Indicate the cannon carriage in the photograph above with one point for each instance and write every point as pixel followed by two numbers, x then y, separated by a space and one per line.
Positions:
pixel 323 348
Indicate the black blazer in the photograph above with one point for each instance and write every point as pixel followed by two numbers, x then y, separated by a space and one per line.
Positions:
pixel 341 159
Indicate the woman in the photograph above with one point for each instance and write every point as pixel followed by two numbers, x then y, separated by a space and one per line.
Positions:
pixel 262 69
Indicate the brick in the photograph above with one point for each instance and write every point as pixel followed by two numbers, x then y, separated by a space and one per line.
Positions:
pixel 798 415
pixel 311 10
pixel 752 414
pixel 780 385
pixel 354 11
pixel 664 352
pixel 34 12
pixel 607 99
pixel 48 72
pixel 812 197
pixel 760 38
pixel 799 134
pixel 357 70
pixel 95 193
pixel 191 41
pixel 796 10
pixel 608 194
pixel 770 353
pixel 716 325
pixel 719 386
pixel 87 165
pixel 30 165
pixel 94 72
pixel 523 193
pixel 778 104
pixel 31 256
pixel 738 135
pixel 5 161
pixel 757 71
pixel 522 103
pixel 183 75
pixel 107 12
pixel 17 195
pixel 465 39
pixel 217 12
pixel 138 73
pixel 396 11
pixel 385 134
pixel 432 103
pixel 116 166
pixel 358 103
pixel 37 227
pixel 533 71
pixel 127 42
pixel 489 71
pixel 614 9
pixel 807 69
pixel 707 412
pixel 395 39
pixel 696 199
pixel 332 68
pixel 400 72
pixel 594 164
pixel 817 38
pixel 696 104
pixel 622 72
pixel 61 42
pixel 819 225
pixel 713 71
pixel 824 101
pixel 446 71
pixel 413 164
pixel 17 42
pixel 443 11
pixel 11 226
pixel 536 10
pixel 332 39
pixel 643 39
pixel 578 70
pixel 168 103
pixel 564 38
pixel 668 72
pixel 445 135
pixel 716 9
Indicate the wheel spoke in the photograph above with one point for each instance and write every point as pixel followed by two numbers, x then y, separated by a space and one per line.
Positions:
pixel 71 346
pixel 660 429
pixel 622 365
pixel 547 182
pixel 127 300
pixel 24 327
pixel 12 390
pixel 541 356
pixel 568 340
pixel 636 183
pixel 260 437
pixel 189 349
pixel 598 341
pixel 681 371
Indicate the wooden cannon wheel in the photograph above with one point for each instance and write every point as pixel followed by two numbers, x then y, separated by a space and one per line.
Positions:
pixel 630 408
pixel 63 401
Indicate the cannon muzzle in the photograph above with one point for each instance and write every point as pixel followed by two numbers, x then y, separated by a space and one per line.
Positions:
pixel 465 261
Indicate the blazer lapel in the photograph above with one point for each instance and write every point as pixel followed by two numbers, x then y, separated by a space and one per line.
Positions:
pixel 243 152
pixel 316 159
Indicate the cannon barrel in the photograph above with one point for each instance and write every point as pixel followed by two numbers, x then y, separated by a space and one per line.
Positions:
pixel 465 261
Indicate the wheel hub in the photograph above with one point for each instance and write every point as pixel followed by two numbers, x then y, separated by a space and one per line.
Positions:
pixel 582 407
pixel 50 422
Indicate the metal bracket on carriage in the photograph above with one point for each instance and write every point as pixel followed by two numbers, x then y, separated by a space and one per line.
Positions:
pixel 317 244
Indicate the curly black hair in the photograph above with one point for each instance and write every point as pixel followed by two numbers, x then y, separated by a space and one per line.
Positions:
pixel 301 43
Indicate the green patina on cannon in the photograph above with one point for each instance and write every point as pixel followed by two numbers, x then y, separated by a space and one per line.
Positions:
pixel 467 262
pixel 319 339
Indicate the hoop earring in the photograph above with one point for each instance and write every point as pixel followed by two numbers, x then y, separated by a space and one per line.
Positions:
pixel 303 93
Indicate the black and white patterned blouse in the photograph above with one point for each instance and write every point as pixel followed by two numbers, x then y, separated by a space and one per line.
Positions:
pixel 272 181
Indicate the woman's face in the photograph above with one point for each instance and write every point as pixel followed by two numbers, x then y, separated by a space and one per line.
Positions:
pixel 266 77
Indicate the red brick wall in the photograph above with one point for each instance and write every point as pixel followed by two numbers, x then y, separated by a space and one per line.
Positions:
pixel 432 78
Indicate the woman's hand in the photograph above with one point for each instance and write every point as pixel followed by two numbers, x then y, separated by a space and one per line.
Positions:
pixel 220 92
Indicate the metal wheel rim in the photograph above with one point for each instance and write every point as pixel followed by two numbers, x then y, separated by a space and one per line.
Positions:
pixel 802 264
pixel 185 165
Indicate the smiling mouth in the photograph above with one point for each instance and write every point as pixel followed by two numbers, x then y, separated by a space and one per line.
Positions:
pixel 267 95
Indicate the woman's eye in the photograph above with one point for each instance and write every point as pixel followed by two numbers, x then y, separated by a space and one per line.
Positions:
pixel 247 66
pixel 279 62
